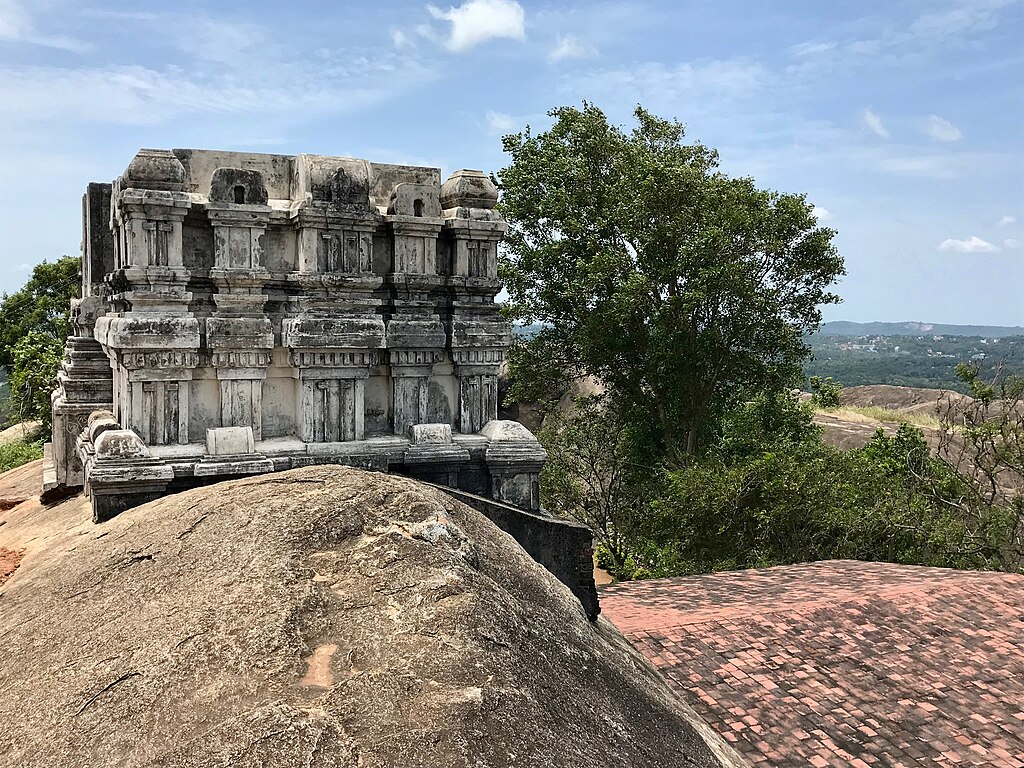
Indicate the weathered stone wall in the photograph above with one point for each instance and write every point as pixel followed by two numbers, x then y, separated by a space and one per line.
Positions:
pixel 565 548
pixel 324 307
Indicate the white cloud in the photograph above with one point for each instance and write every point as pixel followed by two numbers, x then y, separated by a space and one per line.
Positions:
pixel 476 21
pixel 1007 220
pixel 1011 244
pixel 963 17
pixel 215 40
pixel 17 26
pixel 135 95
pixel 811 49
pixel 973 244
pixel 701 85
pixel 401 40
pixel 570 47
pixel 941 129
pixel 874 122
pixel 500 123
pixel 821 213
pixel 923 166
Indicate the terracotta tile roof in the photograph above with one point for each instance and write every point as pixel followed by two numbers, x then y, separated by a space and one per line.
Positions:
pixel 842 663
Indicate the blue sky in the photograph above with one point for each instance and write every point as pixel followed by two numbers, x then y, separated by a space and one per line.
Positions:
pixel 902 120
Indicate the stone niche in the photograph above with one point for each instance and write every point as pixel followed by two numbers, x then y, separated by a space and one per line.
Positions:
pixel 246 313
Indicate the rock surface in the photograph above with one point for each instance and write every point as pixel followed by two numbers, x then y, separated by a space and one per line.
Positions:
pixel 319 617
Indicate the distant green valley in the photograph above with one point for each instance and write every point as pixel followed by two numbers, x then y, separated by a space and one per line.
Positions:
pixel 912 359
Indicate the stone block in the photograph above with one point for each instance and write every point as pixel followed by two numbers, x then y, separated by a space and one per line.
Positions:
pixel 416 200
pixel 238 186
pixel 119 445
pixel 100 422
pixel 505 431
pixel 424 434
pixel 230 441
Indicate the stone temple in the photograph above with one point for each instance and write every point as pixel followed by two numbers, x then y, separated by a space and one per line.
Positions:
pixel 248 313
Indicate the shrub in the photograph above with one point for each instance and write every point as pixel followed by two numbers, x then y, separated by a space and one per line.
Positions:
pixel 826 393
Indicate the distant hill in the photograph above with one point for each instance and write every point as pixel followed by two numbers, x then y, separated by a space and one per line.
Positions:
pixel 846 328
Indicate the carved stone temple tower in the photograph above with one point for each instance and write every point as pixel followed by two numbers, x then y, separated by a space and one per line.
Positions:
pixel 247 313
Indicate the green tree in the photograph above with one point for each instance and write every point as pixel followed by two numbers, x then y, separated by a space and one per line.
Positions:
pixel 683 290
pixel 826 392
pixel 982 439
pixel 34 322
pixel 41 305
pixel 37 356
pixel 590 476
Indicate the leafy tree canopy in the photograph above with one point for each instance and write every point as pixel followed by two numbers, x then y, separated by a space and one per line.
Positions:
pixel 680 288
pixel 41 306
pixel 34 322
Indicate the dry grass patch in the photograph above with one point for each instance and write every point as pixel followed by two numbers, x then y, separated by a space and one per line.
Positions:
pixel 872 413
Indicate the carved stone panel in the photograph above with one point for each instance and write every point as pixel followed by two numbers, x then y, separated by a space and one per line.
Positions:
pixel 332 410
pixel 344 251
pixel 478 401
pixel 159 411
pixel 241 404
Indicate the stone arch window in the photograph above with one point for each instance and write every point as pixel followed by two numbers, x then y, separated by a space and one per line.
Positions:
pixel 239 194
pixel 417 207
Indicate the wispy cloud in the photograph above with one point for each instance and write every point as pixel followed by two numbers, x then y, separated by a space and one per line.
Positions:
pixel 941 129
pixel 821 213
pixel 499 123
pixel 136 95
pixel 958 23
pixel 958 18
pixel 401 40
pixel 973 244
pixel 17 25
pixel 696 86
pixel 1007 220
pixel 476 21
pixel 1011 244
pixel 874 123
pixel 570 47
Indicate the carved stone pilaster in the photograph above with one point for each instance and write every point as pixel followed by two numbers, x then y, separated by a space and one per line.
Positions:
pixel 239 337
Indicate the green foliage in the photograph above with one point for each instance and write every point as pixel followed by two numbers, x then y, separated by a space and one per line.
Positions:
pixel 20 452
pixel 590 475
pixel 37 356
pixel 826 393
pixel 890 501
pixel 42 305
pixel 34 323
pixel 690 295
pixel 679 287
pixel 770 492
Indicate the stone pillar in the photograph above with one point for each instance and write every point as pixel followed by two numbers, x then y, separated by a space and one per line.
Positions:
pixel 155 394
pixel 477 334
pixel 151 337
pixel 477 372
pixel 334 332
pixel 416 337
pixel 84 385
pixel 514 459
pixel 84 381
pixel 410 377
pixel 239 335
